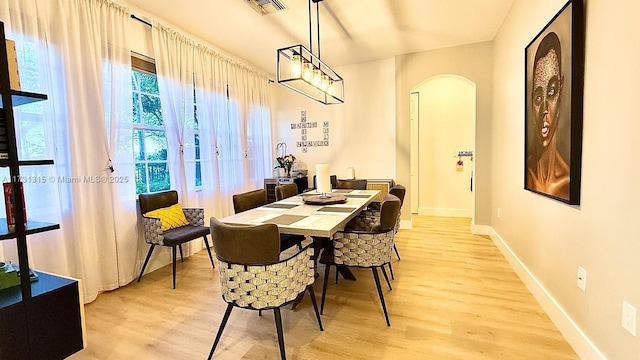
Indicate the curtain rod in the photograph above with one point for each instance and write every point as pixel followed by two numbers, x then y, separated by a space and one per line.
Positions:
pixel 149 24
pixel 141 20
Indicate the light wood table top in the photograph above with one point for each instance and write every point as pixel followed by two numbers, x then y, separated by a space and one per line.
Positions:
pixel 293 216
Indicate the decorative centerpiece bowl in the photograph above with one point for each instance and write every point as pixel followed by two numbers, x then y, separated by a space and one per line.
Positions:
pixel 324 199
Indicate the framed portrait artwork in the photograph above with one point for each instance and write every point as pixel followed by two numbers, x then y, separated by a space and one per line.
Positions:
pixel 554 78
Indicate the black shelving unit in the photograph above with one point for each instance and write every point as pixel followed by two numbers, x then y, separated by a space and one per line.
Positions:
pixel 39 319
pixel 5 162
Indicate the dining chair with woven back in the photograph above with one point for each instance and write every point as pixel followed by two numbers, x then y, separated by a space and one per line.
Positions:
pixel 167 223
pixel 371 216
pixel 368 247
pixel 253 277
pixel 398 191
pixel 256 198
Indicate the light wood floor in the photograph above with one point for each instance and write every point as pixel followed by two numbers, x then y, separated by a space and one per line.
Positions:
pixel 454 297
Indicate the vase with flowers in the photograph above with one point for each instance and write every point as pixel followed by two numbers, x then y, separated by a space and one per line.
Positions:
pixel 286 162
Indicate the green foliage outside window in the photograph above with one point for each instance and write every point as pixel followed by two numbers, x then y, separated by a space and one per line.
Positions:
pixel 149 140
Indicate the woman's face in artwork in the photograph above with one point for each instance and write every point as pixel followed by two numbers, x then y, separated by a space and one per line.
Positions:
pixel 547 83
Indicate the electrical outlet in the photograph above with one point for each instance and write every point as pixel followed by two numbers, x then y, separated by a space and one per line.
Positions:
pixel 629 318
pixel 498 213
pixel 582 278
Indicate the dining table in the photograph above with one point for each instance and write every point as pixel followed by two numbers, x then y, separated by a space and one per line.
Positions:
pixel 308 214
pixel 295 216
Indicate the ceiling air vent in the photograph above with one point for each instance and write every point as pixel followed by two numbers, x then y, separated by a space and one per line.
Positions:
pixel 265 7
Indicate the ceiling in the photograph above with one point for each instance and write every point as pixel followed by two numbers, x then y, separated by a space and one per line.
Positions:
pixel 351 31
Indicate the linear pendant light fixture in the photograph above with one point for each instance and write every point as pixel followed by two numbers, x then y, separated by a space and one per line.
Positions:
pixel 301 70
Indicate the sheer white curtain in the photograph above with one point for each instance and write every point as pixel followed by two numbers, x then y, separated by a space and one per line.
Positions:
pixel 174 67
pixel 232 102
pixel 76 52
pixel 116 77
pixel 249 99
pixel 235 127
pixel 211 98
pixel 232 141
pixel 259 128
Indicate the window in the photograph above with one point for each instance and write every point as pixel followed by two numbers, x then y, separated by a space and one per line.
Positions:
pixel 149 139
pixel 31 127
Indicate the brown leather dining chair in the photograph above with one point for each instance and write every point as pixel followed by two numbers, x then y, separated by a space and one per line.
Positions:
pixel 249 200
pixel 166 223
pixel 398 191
pixel 356 184
pixel 286 191
pixel 252 276
pixel 256 198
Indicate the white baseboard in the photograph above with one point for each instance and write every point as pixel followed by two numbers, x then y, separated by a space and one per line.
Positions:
pixel 581 344
pixel 481 229
pixel 406 224
pixel 445 212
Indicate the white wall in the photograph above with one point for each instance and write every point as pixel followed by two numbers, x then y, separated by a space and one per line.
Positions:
pixel 361 131
pixel 549 238
pixel 447 118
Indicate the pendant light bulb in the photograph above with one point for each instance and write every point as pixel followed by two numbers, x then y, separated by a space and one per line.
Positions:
pixel 317 77
pixel 324 82
pixel 330 89
pixel 296 66
pixel 307 72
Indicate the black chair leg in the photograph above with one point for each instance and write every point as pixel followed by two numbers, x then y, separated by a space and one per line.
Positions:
pixel 259 312
pixel 324 286
pixel 315 305
pixel 181 257
pixel 337 273
pixel 174 266
pixel 276 312
pixel 146 260
pixel 384 306
pixel 385 276
pixel 391 270
pixel 297 301
pixel 206 243
pixel 396 249
pixel 222 325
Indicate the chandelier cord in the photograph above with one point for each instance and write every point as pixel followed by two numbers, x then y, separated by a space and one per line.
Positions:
pixel 310 32
pixel 318 23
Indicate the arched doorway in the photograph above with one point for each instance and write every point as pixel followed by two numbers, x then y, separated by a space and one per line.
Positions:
pixel 443 117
